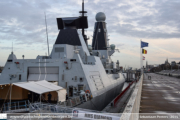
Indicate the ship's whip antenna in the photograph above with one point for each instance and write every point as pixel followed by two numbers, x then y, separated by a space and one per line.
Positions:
pixel 46 33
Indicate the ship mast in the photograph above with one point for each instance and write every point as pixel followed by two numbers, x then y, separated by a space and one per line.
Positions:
pixel 84 36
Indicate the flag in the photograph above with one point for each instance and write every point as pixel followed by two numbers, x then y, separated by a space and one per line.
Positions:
pixel 143 58
pixel 144 44
pixel 144 51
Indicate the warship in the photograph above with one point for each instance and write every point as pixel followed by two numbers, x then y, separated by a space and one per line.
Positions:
pixel 72 64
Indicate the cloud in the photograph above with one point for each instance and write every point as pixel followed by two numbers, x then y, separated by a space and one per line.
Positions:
pixel 9 48
pixel 177 59
pixel 119 45
pixel 22 21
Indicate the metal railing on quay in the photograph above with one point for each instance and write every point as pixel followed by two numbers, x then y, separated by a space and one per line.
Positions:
pixel 131 111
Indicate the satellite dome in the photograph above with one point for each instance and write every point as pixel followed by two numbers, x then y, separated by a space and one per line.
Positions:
pixel 100 17
pixel 112 47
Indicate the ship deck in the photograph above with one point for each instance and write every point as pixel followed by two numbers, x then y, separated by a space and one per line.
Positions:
pixel 160 94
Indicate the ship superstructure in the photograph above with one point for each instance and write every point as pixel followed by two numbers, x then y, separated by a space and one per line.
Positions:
pixel 101 47
pixel 72 65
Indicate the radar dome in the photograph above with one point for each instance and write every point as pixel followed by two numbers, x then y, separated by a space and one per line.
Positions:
pixel 112 47
pixel 100 17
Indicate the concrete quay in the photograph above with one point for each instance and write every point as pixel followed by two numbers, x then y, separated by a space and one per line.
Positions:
pixel 160 94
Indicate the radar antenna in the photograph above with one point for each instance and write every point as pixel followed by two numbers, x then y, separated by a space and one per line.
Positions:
pixel 12 46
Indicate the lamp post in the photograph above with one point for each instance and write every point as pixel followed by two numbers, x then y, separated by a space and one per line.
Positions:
pixel 178 68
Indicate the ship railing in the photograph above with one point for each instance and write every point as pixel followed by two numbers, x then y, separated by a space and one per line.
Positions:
pixel 21 106
pixel 18 106
pixel 48 108
pixel 71 102
pixel 62 107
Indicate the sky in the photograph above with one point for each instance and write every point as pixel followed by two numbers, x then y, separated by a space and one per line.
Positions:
pixel 154 21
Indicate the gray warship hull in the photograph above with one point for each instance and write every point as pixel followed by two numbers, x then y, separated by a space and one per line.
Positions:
pixel 101 101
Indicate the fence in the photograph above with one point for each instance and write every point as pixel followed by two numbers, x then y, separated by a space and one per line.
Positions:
pixel 71 102
pixel 22 106
pixel 61 107
pixel 13 107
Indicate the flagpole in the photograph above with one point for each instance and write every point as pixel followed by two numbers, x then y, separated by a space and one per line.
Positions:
pixel 142 51
pixel 140 54
pixel 140 57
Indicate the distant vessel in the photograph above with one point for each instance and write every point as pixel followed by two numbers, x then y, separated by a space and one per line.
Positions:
pixel 73 64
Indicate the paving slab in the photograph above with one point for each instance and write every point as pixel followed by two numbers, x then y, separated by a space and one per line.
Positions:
pixel 160 94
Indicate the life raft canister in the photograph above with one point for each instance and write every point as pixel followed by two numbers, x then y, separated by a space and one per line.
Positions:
pixel 87 91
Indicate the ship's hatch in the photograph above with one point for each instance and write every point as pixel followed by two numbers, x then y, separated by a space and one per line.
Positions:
pixel 70 91
pixel 43 73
